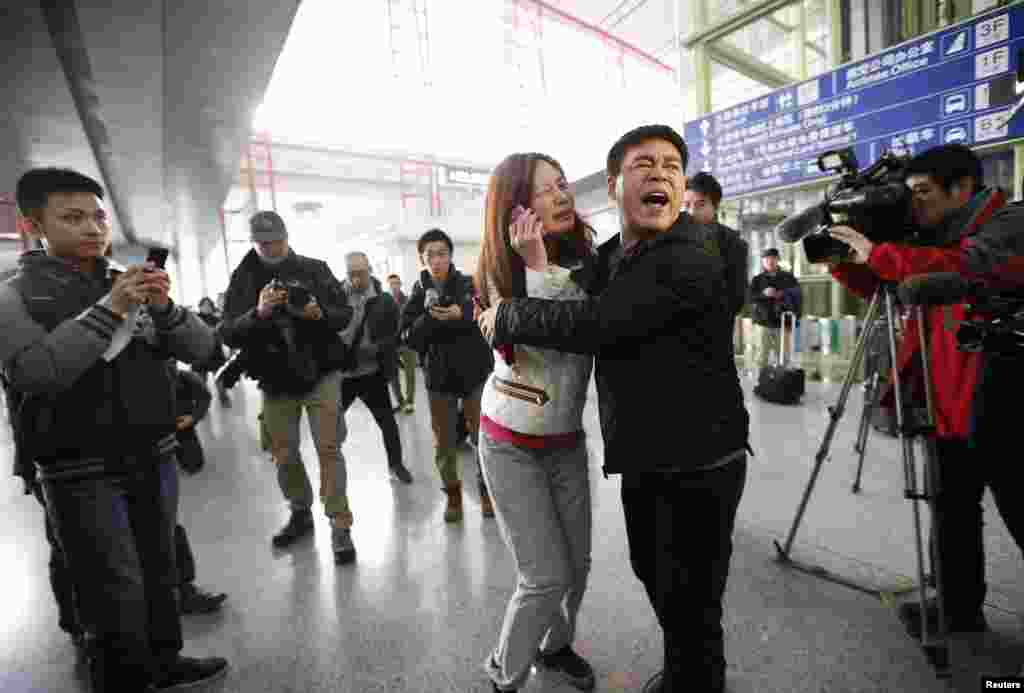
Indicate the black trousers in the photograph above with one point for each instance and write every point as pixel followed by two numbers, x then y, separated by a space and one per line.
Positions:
pixel 373 390
pixel 957 543
pixel 60 580
pixel 680 529
pixel 117 535
pixel 69 616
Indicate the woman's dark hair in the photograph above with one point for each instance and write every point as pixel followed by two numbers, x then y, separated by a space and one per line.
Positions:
pixel 35 187
pixel 500 267
pixel 432 236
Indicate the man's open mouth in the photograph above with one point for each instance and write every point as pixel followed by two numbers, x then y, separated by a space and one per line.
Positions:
pixel 658 200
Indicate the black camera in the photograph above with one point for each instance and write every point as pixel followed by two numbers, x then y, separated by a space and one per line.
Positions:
pixel 875 202
pixel 298 295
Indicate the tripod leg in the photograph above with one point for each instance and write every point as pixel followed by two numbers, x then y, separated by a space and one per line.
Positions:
pixel 861 446
pixel 835 414
pixel 932 480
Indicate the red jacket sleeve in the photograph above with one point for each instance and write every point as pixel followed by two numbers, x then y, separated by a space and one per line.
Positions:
pixel 892 262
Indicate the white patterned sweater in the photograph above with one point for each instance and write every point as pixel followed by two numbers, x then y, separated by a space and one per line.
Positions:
pixel 565 377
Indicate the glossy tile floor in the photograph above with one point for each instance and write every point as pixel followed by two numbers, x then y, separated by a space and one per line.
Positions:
pixel 422 606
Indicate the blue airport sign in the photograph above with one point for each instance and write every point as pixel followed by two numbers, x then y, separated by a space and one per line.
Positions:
pixel 953 85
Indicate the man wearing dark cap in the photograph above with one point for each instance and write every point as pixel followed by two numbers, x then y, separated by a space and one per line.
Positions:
pixel 772 293
pixel 659 322
pixel 284 311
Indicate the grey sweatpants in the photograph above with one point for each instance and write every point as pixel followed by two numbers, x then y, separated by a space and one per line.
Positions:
pixel 542 503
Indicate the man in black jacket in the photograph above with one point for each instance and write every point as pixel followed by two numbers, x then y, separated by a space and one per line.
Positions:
pixel 406 356
pixel 701 200
pixel 772 293
pixel 663 317
pixel 372 339
pixel 85 351
pixel 284 311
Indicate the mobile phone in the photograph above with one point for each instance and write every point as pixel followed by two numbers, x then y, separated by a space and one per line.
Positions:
pixel 158 256
pixel 517 212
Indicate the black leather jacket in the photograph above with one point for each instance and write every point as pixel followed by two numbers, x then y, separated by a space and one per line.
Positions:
pixel 661 330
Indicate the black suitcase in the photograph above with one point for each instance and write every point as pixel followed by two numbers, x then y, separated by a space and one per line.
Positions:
pixel 781 384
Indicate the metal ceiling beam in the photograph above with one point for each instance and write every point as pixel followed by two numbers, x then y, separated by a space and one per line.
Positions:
pixel 626 47
pixel 66 35
pixel 748 65
pixel 749 14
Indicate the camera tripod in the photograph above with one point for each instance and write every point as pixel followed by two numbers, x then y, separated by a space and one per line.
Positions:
pixel 872 396
pixel 913 491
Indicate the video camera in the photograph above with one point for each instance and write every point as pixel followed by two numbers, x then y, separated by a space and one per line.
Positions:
pixel 875 202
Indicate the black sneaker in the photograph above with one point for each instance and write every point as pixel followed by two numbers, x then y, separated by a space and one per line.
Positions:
pixel 195 600
pixel 654 684
pixel 341 543
pixel 570 666
pixel 299 525
pixel 910 615
pixel 190 671
pixel 400 472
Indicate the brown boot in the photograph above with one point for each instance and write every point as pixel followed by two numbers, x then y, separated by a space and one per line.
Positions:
pixel 485 502
pixel 453 513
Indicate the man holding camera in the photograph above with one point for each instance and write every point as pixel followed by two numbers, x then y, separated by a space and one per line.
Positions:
pixel 284 311
pixel 971 233
pixel 84 350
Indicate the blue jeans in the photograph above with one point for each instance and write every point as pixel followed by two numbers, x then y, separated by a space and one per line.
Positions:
pixel 117 533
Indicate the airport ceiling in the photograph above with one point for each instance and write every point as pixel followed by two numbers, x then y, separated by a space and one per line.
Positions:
pixel 155 97
pixel 165 92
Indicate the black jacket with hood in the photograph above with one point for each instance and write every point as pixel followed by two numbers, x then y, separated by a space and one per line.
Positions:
pixel 285 365
pixel 457 359
pixel 661 326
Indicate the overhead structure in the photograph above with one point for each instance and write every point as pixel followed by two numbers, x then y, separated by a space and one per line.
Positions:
pixel 259 168
pixel 409 38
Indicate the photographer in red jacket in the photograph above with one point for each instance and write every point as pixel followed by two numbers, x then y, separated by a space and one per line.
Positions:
pixel 972 233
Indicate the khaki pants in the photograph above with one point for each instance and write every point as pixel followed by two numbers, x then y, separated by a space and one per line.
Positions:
pixel 444 410
pixel 766 344
pixel 281 435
